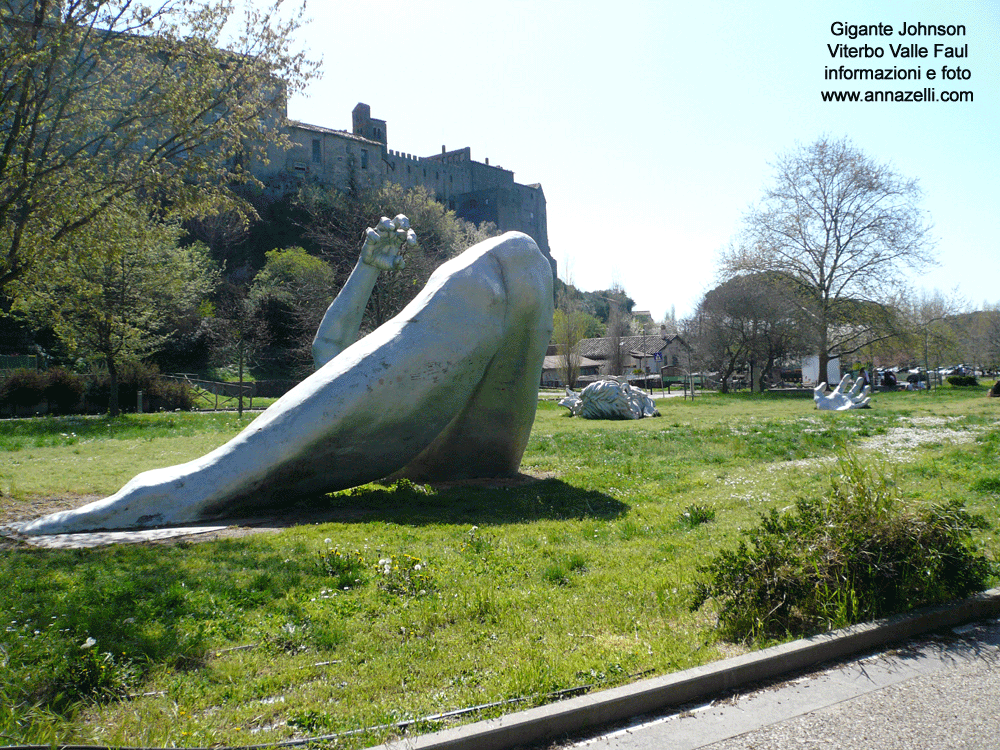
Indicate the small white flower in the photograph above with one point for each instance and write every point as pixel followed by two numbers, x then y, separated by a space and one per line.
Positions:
pixel 327 540
pixel 417 566
pixel 89 643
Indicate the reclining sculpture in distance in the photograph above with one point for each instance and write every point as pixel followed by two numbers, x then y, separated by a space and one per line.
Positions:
pixel 609 399
pixel 447 389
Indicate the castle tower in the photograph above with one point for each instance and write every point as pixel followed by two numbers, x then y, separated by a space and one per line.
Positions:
pixel 367 127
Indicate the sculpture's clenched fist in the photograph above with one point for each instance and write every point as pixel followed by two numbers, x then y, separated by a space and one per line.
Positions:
pixel 386 244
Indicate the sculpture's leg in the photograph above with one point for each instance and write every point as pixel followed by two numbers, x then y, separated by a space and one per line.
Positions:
pixel 446 388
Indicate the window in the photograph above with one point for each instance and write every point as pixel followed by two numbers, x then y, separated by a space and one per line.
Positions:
pixel 364 158
pixel 317 153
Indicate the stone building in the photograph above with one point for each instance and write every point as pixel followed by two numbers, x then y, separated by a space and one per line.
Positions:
pixel 655 355
pixel 359 160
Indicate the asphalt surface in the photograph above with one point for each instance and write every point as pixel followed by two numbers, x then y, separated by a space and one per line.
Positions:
pixel 935 692
pixel 928 679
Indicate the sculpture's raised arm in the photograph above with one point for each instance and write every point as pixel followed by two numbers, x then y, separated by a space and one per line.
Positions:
pixel 384 248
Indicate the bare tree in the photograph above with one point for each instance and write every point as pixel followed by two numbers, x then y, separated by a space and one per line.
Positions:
pixel 619 319
pixel 569 327
pixel 840 230
pixel 745 323
pixel 991 339
pixel 934 326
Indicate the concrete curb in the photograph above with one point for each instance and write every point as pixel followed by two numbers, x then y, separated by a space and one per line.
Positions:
pixel 617 704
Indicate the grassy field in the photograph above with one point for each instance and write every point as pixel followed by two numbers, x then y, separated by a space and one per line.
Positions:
pixel 416 602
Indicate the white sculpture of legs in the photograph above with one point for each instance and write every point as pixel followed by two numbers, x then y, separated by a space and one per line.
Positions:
pixel 446 389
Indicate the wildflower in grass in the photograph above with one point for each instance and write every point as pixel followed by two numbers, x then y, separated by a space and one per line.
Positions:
pixel 347 567
pixel 89 643
pixel 405 576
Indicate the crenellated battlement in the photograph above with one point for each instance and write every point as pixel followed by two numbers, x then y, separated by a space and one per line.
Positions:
pixel 361 159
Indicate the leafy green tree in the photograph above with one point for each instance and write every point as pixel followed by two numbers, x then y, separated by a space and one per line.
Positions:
pixel 288 298
pixel 106 99
pixel 119 289
pixel 840 230
pixel 337 222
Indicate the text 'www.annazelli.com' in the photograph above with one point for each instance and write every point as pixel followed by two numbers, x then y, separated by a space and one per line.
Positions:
pixel 919 95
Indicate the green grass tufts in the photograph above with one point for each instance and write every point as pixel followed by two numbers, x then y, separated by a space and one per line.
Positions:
pixel 859 553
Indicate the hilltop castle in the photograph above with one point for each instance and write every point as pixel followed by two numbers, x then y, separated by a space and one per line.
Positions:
pixel 361 159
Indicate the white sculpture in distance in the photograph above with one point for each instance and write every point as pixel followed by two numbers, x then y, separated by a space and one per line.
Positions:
pixel 445 390
pixel 847 395
pixel 609 399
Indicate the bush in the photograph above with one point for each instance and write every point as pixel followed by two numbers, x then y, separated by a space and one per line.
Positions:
pixel 63 390
pixel 22 389
pixel 857 554
pixel 157 394
pixel 960 381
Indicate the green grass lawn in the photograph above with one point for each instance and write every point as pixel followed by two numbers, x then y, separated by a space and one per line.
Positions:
pixel 422 601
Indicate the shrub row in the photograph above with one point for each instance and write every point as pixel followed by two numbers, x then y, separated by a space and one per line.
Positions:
pixel 58 391
pixel 962 380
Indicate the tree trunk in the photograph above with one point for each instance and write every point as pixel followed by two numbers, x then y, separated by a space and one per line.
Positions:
pixel 239 349
pixel 113 408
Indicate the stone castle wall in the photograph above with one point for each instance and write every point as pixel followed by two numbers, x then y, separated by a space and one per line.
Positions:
pixel 476 191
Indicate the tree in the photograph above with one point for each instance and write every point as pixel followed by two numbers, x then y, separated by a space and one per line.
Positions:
pixel 934 328
pixel 106 99
pixel 287 300
pixel 840 230
pixel 619 319
pixel 991 339
pixel 569 327
pixel 986 338
pixel 119 288
pixel 336 223
pixel 744 322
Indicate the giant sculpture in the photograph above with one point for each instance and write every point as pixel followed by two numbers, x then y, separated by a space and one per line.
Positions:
pixel 845 396
pixel 445 390
pixel 609 399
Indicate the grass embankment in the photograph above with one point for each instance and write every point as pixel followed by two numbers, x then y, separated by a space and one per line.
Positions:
pixel 419 601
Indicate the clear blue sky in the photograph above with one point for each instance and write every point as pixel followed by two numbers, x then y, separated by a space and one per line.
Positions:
pixel 651 124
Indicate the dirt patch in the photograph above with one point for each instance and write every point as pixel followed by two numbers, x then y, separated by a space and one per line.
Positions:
pixel 12 510
pixel 304 513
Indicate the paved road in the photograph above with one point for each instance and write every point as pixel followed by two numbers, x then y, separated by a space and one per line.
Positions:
pixel 931 693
